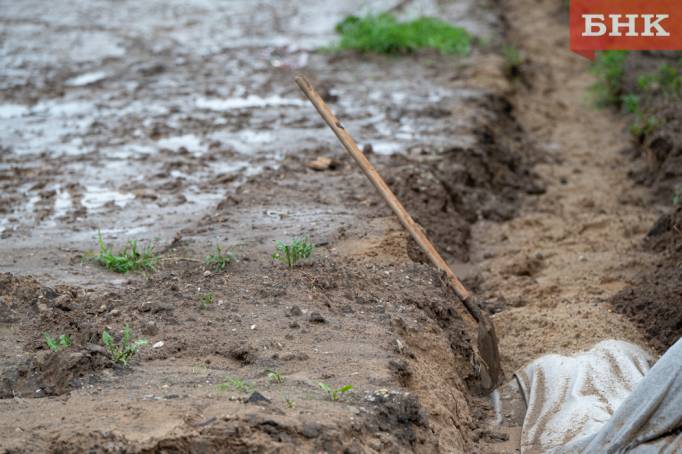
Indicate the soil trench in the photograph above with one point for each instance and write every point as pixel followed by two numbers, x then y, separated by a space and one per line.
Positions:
pixel 181 122
pixel 570 250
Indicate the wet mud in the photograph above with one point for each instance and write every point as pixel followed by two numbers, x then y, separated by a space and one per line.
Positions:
pixel 179 124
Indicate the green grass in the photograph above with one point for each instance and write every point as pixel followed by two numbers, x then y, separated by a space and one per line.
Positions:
pixel 124 351
pixel 665 82
pixel 219 259
pixel 669 80
pixel 206 300
pixel 609 68
pixel 290 254
pixel 237 384
pixel 335 394
pixel 274 376
pixel 384 34
pixel 60 343
pixel 677 195
pixel 128 259
pixel 512 61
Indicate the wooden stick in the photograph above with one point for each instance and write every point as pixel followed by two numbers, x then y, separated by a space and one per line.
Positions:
pixel 405 219
pixel 486 359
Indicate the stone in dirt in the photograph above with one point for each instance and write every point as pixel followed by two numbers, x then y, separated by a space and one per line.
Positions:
pixel 257 398
pixel 323 163
pixel 316 317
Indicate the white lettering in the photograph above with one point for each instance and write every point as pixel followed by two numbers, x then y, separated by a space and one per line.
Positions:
pixel 590 25
pixel 649 25
pixel 616 24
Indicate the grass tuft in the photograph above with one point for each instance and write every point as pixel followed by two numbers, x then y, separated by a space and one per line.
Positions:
pixel 609 68
pixel 124 351
pixel 128 259
pixel 274 376
pixel 236 384
pixel 206 300
pixel 513 60
pixel 219 259
pixel 334 394
pixel 60 343
pixel 290 254
pixel 384 34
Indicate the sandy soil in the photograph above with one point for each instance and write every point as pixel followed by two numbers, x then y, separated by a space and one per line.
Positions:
pixel 194 133
pixel 180 121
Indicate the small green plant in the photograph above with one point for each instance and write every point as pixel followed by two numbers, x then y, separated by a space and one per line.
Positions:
pixel 512 61
pixel 60 343
pixel 122 352
pixel 200 369
pixel 335 394
pixel 677 195
pixel 219 259
pixel 206 300
pixel 290 403
pixel 128 259
pixel 643 126
pixel 669 80
pixel 631 103
pixel 237 384
pixel 290 254
pixel 646 82
pixel 384 34
pixel 274 376
pixel 609 68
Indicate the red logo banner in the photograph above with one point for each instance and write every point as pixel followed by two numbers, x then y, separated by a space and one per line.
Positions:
pixel 625 25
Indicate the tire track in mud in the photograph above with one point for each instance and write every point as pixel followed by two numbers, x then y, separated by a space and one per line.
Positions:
pixel 556 265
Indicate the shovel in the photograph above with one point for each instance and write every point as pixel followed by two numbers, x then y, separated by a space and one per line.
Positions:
pixel 487 356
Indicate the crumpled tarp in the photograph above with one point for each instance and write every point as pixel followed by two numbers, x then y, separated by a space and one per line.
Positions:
pixel 605 400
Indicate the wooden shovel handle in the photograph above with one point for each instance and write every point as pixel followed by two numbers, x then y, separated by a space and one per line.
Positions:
pixel 405 219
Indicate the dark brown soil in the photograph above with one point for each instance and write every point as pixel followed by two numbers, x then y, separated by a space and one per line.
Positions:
pixel 655 302
pixel 660 152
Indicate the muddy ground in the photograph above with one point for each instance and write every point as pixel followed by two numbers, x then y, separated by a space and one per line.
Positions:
pixel 179 123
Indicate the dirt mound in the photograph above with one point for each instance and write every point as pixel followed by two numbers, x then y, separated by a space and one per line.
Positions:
pixel 388 426
pixel 398 332
pixel 448 190
pixel 661 145
pixel 666 235
pixel 656 303
pixel 52 374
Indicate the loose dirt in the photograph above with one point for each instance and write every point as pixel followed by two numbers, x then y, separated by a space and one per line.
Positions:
pixel 181 122
pixel 576 245
pixel 570 250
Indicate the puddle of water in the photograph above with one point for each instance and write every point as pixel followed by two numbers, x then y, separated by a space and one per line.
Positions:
pixel 250 101
pixel 63 109
pixel 95 197
pixel 86 79
pixel 130 150
pixel 12 110
pixel 72 148
pixel 387 148
pixel 62 203
pixel 246 141
pixel 189 141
